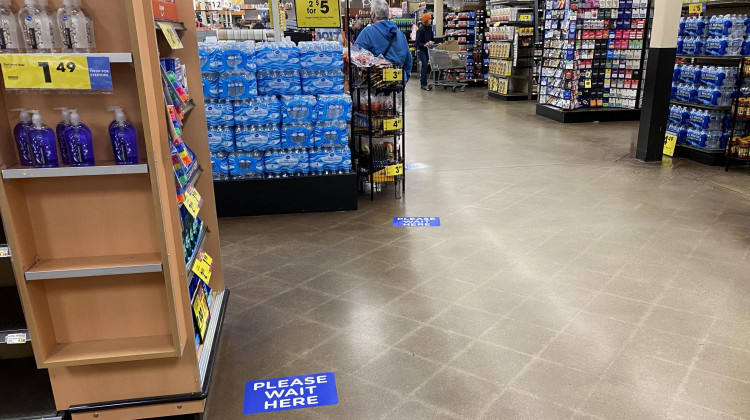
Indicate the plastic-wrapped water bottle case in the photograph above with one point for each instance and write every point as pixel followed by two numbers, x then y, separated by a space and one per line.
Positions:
pixel 276 109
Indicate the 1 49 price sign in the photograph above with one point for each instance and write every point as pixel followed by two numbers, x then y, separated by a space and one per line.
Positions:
pixel 318 13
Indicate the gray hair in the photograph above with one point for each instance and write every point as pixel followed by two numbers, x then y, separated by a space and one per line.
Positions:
pixel 380 9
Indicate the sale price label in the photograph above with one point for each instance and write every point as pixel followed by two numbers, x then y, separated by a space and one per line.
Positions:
pixel 34 71
pixel 697 8
pixel 525 18
pixel 392 124
pixel 670 141
pixel 394 170
pixel 193 202
pixel 318 13
pixel 393 75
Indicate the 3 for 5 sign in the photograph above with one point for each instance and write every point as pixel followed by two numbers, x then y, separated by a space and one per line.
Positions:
pixel 317 13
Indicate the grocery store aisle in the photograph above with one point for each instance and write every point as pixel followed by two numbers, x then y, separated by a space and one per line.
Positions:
pixel 566 281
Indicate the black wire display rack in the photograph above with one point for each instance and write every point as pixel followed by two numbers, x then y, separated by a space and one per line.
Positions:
pixel 378 135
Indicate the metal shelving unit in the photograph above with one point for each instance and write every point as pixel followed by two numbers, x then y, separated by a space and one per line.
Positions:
pixel 522 54
pixel 371 165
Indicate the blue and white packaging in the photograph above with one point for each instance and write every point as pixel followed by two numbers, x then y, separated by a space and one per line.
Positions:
pixel 322 82
pixel 238 56
pixel 221 138
pixel 219 113
pixel 257 137
pixel 277 56
pixel 246 165
pixel 279 82
pixel 297 135
pixel 321 55
pixel 211 84
pixel 334 108
pixel 220 165
pixel 210 56
pixel 298 109
pixel 280 163
pixel 238 85
pixel 258 110
pixel 331 134
pixel 330 160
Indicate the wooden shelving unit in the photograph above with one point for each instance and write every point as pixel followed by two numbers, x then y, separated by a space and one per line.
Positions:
pixel 97 251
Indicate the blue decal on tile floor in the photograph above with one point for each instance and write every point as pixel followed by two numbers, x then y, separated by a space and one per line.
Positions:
pixel 416 221
pixel 290 393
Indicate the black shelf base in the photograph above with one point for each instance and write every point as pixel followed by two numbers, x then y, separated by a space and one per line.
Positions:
pixel 308 194
pixel 584 115
pixel 710 158
pixel 510 96
pixel 26 391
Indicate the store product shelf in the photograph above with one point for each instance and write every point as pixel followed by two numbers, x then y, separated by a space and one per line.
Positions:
pixel 189 105
pixel 509 96
pixel 178 26
pixel 112 350
pixel 107 168
pixel 26 391
pixel 511 2
pixel 510 76
pixel 215 322
pixel 700 106
pixel 587 114
pixel 514 23
pixel 11 314
pixel 108 265
pixel 701 149
pixel 253 197
pixel 712 57
pixel 113 57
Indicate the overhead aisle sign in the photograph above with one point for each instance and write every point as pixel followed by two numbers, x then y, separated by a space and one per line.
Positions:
pixel 290 393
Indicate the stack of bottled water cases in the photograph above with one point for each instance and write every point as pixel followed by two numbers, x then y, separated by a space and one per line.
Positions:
pixel 295 122
pixel 720 35
pixel 705 85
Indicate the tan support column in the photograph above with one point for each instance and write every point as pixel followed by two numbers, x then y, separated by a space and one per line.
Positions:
pixel 438 21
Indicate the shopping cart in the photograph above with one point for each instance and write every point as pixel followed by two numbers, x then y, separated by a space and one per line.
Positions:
pixel 442 60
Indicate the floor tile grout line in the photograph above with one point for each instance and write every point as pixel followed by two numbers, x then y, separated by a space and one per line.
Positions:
pixel 691 368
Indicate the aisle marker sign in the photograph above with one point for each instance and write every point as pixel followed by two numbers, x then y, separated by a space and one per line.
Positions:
pixel 290 393
pixel 172 38
pixel 670 140
pixel 416 221
pixel 318 13
pixel 35 71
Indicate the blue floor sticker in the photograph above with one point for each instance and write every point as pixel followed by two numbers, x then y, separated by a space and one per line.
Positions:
pixel 290 393
pixel 410 166
pixel 416 221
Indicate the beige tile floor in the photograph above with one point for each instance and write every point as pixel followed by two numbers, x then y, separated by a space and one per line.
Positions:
pixel 567 281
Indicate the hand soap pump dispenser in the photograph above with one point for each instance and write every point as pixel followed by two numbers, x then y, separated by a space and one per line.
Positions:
pixel 124 139
pixel 60 132
pixel 21 137
pixel 79 141
pixel 42 140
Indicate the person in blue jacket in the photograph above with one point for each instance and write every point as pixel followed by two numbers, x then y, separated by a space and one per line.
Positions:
pixel 384 37
pixel 424 40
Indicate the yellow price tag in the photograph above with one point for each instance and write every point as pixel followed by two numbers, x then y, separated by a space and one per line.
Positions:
pixel 203 271
pixel 394 170
pixel 587 84
pixel 35 71
pixel 193 202
pixel 696 8
pixel 318 13
pixel 207 259
pixel 670 141
pixel 201 311
pixel 525 18
pixel 392 124
pixel 171 35
pixel 393 75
